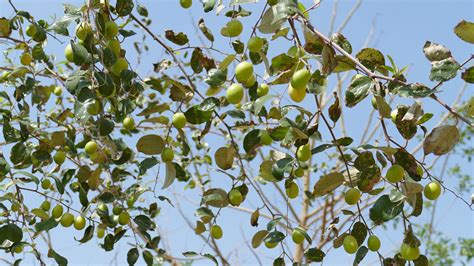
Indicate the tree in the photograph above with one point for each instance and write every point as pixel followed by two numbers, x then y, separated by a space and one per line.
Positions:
pixel 85 133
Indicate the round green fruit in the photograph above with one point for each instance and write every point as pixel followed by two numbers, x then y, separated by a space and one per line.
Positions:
pixel 117 210
pixel 296 95
pixel 233 28
pixel 299 172
pixel 304 153
pixel 69 53
pixel 45 205
pixel 300 79
pixel 58 91
pixel 100 232
pixel 243 71
pixel 373 243
pixel 419 170
pixel 26 59
pixel 395 173
pixel 57 211
pixel 350 244
pixel 352 196
pixel 129 123
pixel 255 44
pixel 292 190
pixel 45 184
pixel 67 219
pixel 120 65
pixel 262 89
pixel 124 218
pixel 297 236
pixel 111 29
pixel 235 93
pixel 409 253
pixel 114 45
pixel 91 147
pixel 59 157
pixel 432 191
pixel 185 3
pixel 179 120
pixel 79 223
pixel 93 108
pixel 31 30
pixel 235 197
pixel 265 138
pixel 167 155
pixel 18 249
pixel 216 232
pixel 270 245
pixel 82 30
pixel 249 83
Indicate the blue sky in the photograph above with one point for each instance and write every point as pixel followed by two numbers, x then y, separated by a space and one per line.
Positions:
pixel 401 29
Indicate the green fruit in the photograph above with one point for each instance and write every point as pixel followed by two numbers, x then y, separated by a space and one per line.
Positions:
pixel 128 123
pixel 374 103
pixel 233 28
pixel 167 155
pixel 216 232
pixel 58 91
pixel 102 207
pixel 117 210
pixel 299 172
pixel 114 45
pixel 45 206
pixel 185 3
pixel 74 186
pixel 111 29
pixel 57 211
pixel 419 170
pixel 249 83
pixel 296 95
pixel 395 173
pixel 243 71
pixel 304 153
pixel 31 30
pixel 45 184
pixel 373 243
pixel 59 157
pixel 100 232
pixel 82 30
pixel 18 249
pixel 69 53
pixel 131 201
pixel 91 147
pixel 124 218
pixel 26 59
pixel 235 197
pixel 262 89
pixel 265 138
pixel 300 79
pixel 432 190
pixel 120 65
pixel 292 190
pixel 297 236
pixel 79 223
pixel 270 245
pixel 179 120
pixel 67 219
pixel 409 253
pixel 93 108
pixel 350 244
pixel 255 44
pixel 352 196
pixel 235 93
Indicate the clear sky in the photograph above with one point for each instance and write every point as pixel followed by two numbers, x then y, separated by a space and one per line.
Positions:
pixel 400 29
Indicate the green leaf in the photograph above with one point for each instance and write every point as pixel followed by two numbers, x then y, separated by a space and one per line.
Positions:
pixel 215 197
pixel 359 231
pixel 46 225
pixel 144 223
pixel 196 116
pixel 359 88
pixel 441 140
pixel 205 30
pixel 436 52
pixel 314 255
pixel 258 238
pixel 60 260
pixel 273 19
pixel 252 141
pixel 80 53
pixel 343 63
pixel 274 237
pixel 12 232
pixel 142 10
pixel 179 39
pixel 273 223
pixel 260 102
pixel 215 77
pixel 147 257
pixel 414 90
pixel 465 31
pixel 328 183
pixel 385 210
pixel 170 175
pixel 341 41
pixel 150 144
pixel 208 5
pixel 360 255
pixel 371 58
pixel 468 75
pixel 124 7
pixel 444 70
pixel 209 256
pixel 88 234
pixel 106 126
pixel 132 256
